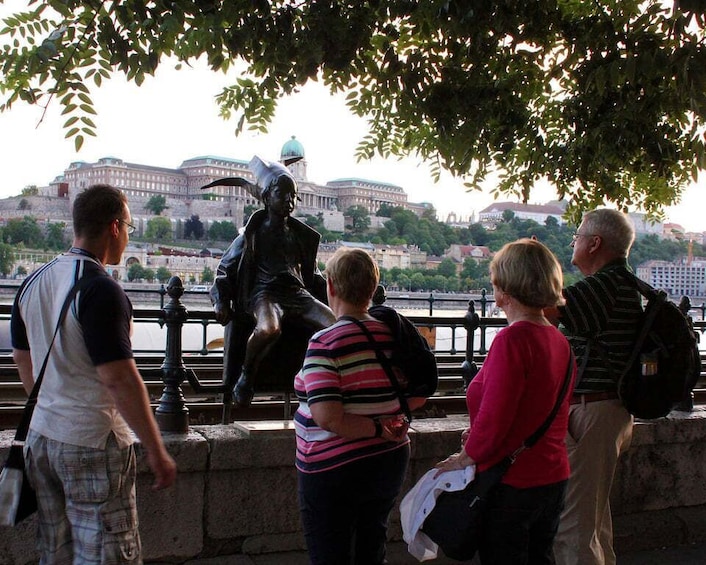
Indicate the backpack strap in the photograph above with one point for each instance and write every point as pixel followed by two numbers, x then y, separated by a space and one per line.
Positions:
pixel 656 298
pixel 591 342
pixel 385 363
pixel 647 290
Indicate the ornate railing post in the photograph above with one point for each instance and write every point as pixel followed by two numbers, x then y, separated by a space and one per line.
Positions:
pixel 484 312
pixel 483 302
pixel 471 321
pixel 172 414
pixel 380 295
pixel 162 292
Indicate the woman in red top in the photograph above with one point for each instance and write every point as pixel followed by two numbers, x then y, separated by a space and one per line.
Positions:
pixel 509 399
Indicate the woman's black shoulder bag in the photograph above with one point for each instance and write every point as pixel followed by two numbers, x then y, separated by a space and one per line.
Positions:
pixel 456 522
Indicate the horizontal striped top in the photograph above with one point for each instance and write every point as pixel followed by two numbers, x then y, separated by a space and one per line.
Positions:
pixel 603 309
pixel 341 366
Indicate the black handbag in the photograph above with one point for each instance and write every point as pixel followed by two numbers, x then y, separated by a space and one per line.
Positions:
pixel 17 497
pixel 456 522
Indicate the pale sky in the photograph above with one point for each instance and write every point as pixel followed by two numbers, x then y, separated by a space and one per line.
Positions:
pixel 173 117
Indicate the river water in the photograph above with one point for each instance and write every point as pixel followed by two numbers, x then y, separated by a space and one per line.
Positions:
pixel 150 336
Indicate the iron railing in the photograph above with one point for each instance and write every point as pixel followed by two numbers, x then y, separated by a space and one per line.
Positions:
pixel 466 336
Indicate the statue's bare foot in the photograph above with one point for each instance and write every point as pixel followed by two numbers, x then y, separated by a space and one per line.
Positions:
pixel 243 393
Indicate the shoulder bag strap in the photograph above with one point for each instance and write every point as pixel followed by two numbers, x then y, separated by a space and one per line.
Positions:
pixel 23 428
pixel 502 466
pixel 386 365
pixel 534 438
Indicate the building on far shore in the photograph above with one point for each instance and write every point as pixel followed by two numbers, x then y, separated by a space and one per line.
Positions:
pixel 182 188
pixel 492 214
pixel 683 277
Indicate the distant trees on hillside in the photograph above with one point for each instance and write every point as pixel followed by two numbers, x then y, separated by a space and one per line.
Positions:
pixel 28 233
pixel 136 272
pixel 7 259
pixel 402 228
pixel 163 274
pixel 159 229
pixel 193 228
pixel 156 204
pixel 359 217
pixel 222 231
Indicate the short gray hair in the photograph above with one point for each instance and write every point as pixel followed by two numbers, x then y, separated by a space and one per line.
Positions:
pixel 615 228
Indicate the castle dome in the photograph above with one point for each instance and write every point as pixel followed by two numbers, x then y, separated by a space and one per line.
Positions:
pixel 292 149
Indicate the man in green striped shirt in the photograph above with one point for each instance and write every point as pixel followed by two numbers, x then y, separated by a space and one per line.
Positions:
pixel 600 318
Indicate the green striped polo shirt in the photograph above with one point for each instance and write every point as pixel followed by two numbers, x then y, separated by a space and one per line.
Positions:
pixel 601 320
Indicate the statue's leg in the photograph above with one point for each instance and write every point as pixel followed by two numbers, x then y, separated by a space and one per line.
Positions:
pixel 268 328
pixel 232 364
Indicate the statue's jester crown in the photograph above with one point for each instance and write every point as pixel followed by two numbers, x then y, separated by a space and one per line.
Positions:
pixel 268 174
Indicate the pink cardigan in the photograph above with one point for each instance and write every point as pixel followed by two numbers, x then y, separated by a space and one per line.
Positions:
pixel 510 398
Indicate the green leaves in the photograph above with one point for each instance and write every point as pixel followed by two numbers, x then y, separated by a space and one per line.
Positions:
pixel 605 99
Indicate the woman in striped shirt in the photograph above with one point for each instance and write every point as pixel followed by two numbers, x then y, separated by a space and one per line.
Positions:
pixel 352 443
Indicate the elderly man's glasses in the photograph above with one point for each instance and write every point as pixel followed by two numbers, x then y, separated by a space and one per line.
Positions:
pixel 130 228
pixel 577 235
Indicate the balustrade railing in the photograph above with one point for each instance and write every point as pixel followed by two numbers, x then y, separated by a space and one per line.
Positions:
pixel 177 332
pixel 467 335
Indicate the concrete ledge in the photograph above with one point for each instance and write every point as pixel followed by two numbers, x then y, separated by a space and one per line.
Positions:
pixel 236 492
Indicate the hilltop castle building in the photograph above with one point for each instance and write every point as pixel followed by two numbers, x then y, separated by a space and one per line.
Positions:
pixel 183 187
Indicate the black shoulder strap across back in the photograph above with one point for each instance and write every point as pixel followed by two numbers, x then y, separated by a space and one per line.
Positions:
pixel 386 365
pixel 23 428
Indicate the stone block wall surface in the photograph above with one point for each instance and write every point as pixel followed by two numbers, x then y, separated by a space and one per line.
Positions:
pixel 236 490
pixel 665 466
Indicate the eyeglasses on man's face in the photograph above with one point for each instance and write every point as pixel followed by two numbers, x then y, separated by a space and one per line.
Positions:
pixel 130 228
pixel 576 235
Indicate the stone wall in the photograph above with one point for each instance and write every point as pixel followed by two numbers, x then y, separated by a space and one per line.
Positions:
pixel 236 492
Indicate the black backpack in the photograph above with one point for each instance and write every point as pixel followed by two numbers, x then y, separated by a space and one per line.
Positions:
pixel 412 353
pixel 665 362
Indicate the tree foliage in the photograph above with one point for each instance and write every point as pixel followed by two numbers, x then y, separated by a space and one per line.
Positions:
pixel 385 210
pixel 163 274
pixel 135 272
pixel 222 231
pixel 360 218
pixel 23 230
pixel 447 268
pixel 207 275
pixel 7 259
pixel 55 238
pixel 156 204
pixel 604 99
pixel 193 228
pixel 159 229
